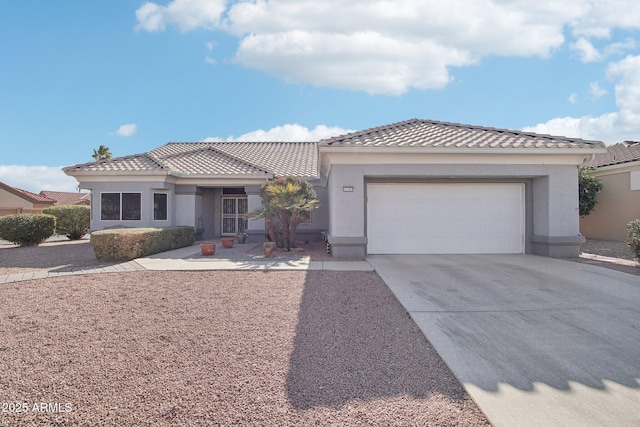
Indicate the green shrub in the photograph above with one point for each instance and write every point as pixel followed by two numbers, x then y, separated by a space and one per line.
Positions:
pixel 72 221
pixel 27 229
pixel 633 238
pixel 588 188
pixel 125 244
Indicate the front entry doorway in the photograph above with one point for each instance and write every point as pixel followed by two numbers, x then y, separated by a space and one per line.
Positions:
pixel 233 210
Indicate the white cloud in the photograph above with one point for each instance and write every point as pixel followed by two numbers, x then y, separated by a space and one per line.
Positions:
pixel 585 50
pixel 627 71
pixel 612 127
pixel 37 178
pixel 379 46
pixel 573 98
pixel 185 14
pixel 288 132
pixel 127 130
pixel 596 90
pixel 588 53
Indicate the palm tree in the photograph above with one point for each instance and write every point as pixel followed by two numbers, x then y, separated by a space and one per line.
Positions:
pixel 284 202
pixel 101 153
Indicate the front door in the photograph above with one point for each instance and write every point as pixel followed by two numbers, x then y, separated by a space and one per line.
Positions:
pixel 233 211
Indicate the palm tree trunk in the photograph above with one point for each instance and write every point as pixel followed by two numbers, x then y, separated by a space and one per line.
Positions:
pixel 294 229
pixel 285 229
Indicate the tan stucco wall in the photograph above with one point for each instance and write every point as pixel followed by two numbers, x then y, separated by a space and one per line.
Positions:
pixel 11 204
pixel 617 205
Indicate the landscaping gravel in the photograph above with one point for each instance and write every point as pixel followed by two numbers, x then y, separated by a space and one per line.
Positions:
pixel 617 256
pixel 55 254
pixel 215 348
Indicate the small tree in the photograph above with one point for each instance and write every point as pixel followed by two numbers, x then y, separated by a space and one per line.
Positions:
pixel 588 188
pixel 285 201
pixel 102 153
pixel 72 221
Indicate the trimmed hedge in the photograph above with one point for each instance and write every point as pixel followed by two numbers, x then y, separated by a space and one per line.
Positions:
pixel 72 221
pixel 27 229
pixel 125 244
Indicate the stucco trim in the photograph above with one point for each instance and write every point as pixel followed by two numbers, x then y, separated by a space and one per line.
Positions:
pixel 558 246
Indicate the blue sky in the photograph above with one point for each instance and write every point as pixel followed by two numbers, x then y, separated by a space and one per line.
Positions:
pixel 133 75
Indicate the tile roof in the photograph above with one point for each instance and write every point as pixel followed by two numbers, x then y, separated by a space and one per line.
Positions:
pixel 67 198
pixel 209 161
pixel 429 133
pixel 217 158
pixel 27 195
pixel 622 152
pixel 134 163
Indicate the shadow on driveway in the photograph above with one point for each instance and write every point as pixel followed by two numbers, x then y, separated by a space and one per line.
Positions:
pixel 529 335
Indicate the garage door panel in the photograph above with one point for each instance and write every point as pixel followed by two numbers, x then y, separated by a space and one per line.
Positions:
pixel 445 218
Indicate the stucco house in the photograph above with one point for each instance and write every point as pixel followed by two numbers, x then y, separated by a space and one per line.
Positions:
pixel 17 201
pixel 67 197
pixel 417 186
pixel 619 200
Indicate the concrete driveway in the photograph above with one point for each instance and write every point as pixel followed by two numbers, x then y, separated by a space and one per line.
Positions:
pixel 534 340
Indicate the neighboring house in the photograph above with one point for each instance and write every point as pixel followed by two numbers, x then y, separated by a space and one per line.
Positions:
pixel 67 198
pixel 619 199
pixel 17 201
pixel 417 186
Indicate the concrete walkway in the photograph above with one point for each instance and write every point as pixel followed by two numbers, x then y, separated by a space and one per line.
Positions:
pixel 190 258
pixel 535 341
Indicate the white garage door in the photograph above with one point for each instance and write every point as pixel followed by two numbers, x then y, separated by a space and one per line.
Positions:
pixel 445 218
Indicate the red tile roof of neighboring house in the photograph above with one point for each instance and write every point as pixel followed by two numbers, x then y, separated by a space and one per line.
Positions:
pixel 27 195
pixel 67 198
pixel 622 152
pixel 429 133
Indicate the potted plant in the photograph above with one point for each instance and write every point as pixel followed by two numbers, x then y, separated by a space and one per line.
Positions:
pixel 242 237
pixel 227 242
pixel 208 248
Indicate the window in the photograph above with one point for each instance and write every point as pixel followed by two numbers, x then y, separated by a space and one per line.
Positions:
pixel 160 206
pixel 116 206
pixel 110 204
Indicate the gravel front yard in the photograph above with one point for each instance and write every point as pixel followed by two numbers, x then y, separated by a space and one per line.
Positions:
pixel 211 348
pixel 57 254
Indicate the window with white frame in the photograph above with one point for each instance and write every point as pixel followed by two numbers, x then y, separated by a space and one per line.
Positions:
pixel 160 207
pixel 120 206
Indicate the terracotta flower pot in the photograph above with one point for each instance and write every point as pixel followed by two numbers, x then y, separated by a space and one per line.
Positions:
pixel 269 249
pixel 208 248
pixel 227 242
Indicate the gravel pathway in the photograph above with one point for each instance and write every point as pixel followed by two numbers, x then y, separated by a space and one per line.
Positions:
pixel 216 348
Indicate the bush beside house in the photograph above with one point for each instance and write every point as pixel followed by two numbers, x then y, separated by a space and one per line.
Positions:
pixel 588 188
pixel 126 244
pixel 72 221
pixel 27 229
pixel 633 239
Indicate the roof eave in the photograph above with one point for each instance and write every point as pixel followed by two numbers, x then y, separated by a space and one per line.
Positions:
pixel 221 176
pixel 465 150
pixel 74 173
